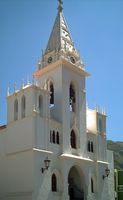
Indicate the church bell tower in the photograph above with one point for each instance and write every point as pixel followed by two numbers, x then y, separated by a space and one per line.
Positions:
pixel 61 71
pixel 54 147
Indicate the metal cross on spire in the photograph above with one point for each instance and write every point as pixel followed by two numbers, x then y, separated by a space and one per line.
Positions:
pixel 60 8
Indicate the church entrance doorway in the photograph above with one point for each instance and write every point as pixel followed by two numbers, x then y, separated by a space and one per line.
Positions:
pixel 75 189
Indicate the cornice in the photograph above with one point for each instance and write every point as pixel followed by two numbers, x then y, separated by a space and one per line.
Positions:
pixel 64 63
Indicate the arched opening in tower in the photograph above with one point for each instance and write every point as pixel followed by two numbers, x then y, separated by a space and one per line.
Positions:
pixel 51 94
pixel 72 98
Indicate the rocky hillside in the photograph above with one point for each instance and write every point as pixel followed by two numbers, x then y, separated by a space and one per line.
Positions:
pixel 117 147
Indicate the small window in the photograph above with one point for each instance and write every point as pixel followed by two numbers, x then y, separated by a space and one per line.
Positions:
pixel 16 110
pixel 54 183
pixel 73 139
pixel 23 106
pixel 57 137
pixel 92 186
pixel 53 137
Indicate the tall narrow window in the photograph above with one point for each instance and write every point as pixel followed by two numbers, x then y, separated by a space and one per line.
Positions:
pixel 16 110
pixel 92 186
pixel 40 105
pixel 92 148
pixel 72 98
pixel 23 106
pixel 73 139
pixel 57 137
pixel 53 137
pixel 54 183
pixel 51 94
pixel 89 149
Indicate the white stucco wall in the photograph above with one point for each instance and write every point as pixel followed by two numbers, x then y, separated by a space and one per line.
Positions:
pixel 25 143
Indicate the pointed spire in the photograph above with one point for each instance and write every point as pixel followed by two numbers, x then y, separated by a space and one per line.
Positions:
pixel 60 37
pixel 60 43
pixel 60 8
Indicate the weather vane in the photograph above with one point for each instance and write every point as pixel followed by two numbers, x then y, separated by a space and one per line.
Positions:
pixel 60 8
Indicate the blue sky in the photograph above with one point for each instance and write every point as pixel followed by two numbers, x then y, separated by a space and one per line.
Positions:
pixel 96 27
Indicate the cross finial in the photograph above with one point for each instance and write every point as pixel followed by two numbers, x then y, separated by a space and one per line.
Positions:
pixel 60 8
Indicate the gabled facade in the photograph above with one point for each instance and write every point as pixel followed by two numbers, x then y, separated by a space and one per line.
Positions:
pixel 49 120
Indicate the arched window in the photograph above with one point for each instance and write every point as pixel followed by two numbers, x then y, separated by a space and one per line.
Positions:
pixel 57 137
pixel 92 186
pixel 16 110
pixel 23 106
pixel 73 139
pixel 53 137
pixel 51 94
pixel 54 183
pixel 72 98
pixel 40 104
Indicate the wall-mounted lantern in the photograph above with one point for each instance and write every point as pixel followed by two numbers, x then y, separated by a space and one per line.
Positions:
pixel 46 164
pixel 107 172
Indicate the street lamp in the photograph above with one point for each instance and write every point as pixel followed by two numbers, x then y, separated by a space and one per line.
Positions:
pixel 107 172
pixel 46 164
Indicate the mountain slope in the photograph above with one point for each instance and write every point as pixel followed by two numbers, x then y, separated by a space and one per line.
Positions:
pixel 117 147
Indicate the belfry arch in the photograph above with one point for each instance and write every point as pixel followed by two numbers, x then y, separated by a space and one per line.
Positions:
pixel 72 97
pixel 76 184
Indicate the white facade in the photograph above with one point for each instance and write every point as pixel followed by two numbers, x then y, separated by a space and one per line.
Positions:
pixel 49 119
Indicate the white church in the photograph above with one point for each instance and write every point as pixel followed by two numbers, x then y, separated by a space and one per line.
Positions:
pixel 53 146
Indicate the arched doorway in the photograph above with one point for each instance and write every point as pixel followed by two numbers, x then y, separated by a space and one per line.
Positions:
pixel 75 185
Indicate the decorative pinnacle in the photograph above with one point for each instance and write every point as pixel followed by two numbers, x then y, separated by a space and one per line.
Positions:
pixel 97 108
pixel 60 8
pixel 22 86
pixel 8 92
pixel 14 87
pixel 27 81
